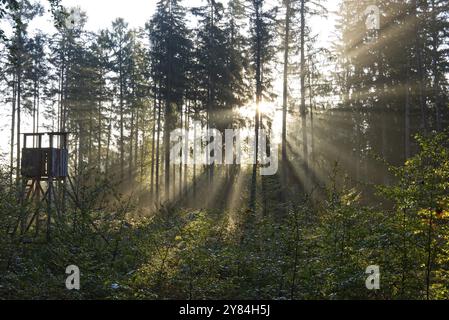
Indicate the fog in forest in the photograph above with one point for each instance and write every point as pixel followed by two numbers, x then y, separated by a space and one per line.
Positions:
pixel 224 149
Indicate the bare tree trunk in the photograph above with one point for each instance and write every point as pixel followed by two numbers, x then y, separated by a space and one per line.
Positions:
pixel 419 61
pixel 90 134
pixel 181 158
pixel 158 152
pixel 436 86
pixel 186 148
pixel 174 182
pixel 19 94
pixel 61 114
pixel 252 203
pixel 153 146
pixel 143 153
pixel 285 85
pixel 303 110
pixel 34 107
pixel 99 133
pixel 131 146
pixel 13 128
pixel 195 137
pixel 311 107
pixel 38 112
pixel 167 121
pixel 136 142
pixel 122 129
pixel 108 147
pixel 407 114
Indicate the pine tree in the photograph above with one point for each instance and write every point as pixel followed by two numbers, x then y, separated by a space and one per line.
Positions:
pixel 23 13
pixel 120 38
pixel 214 74
pixel 262 52
pixel 170 51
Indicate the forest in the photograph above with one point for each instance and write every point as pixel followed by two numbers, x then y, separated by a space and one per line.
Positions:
pixel 224 151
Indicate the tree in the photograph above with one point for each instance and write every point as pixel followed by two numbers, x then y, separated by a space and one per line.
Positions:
pixel 120 38
pixel 5 7
pixel 287 40
pixel 103 56
pixel 36 75
pixel 23 13
pixel 170 51
pixel 261 54
pixel 220 66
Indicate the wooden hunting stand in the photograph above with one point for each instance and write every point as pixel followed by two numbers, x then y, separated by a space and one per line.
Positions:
pixel 44 172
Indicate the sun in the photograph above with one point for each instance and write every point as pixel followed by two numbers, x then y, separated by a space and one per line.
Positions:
pixel 269 111
pixel 267 108
pixel 248 111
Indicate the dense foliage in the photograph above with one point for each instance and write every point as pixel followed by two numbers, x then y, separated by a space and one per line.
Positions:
pixel 318 250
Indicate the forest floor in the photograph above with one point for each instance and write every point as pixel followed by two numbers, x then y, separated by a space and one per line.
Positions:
pixel 212 246
pixel 208 244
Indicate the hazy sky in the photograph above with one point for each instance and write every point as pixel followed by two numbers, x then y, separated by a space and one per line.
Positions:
pixel 102 12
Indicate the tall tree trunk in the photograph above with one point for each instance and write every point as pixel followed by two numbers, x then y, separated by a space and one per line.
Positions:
pixel 158 145
pixel 131 146
pixel 153 146
pixel 19 95
pixel 285 99
pixel 195 137
pixel 303 110
pixel 407 113
pixel 167 121
pixel 168 114
pixel 211 96
pixel 34 108
pixel 312 127
pixel 61 113
pixel 13 128
pixel 143 154
pixel 181 158
pixel 108 147
pixel 90 135
pixel 285 84
pixel 186 148
pixel 38 104
pixel 420 67
pixel 436 73
pixel 252 203
pixel 122 129
pixel 100 131
pixel 136 141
